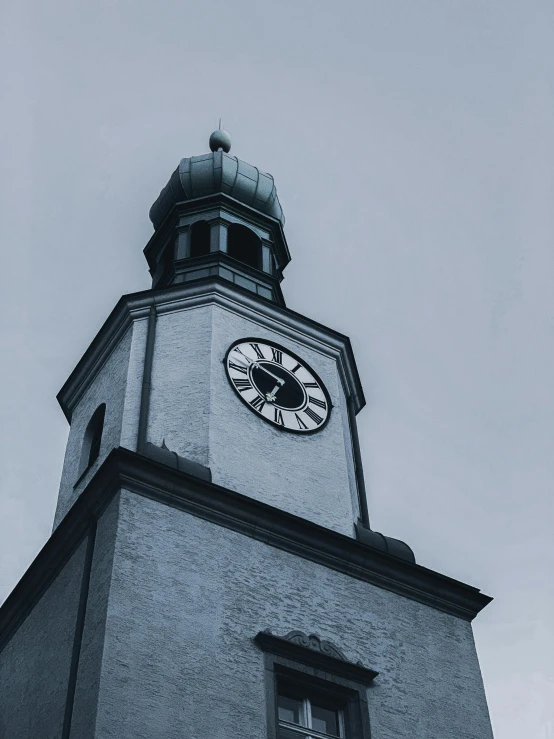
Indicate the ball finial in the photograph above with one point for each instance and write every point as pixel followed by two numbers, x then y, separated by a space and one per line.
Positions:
pixel 220 139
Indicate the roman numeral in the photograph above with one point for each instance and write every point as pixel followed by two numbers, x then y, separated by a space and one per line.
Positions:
pixel 277 355
pixel 258 403
pixel 278 417
pixel 239 368
pixel 242 385
pixel 315 401
pixel 300 422
pixel 258 351
pixel 309 412
pixel 296 368
pixel 310 384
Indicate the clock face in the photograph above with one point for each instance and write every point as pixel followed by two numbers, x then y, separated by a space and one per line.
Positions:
pixel 278 386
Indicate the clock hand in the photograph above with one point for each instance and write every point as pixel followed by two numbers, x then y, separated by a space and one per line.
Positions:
pixel 270 397
pixel 280 381
pixel 241 357
pixel 255 364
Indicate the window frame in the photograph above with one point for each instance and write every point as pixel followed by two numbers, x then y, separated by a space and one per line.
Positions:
pixel 92 438
pixel 309 698
pixel 315 673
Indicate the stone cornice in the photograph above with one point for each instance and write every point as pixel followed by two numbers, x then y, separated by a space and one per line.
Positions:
pixel 127 470
pixel 203 292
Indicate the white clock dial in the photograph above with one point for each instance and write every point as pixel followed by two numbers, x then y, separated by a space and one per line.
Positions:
pixel 278 386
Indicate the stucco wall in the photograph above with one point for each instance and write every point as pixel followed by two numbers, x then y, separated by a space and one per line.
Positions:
pixel 180 395
pixel 92 644
pixel 304 474
pixel 194 409
pixel 34 664
pixel 187 598
pixel 108 386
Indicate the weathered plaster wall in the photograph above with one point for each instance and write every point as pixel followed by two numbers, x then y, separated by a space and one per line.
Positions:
pixel 188 596
pixel 34 664
pixel 180 395
pixel 92 644
pixel 110 387
pixel 305 475
pixel 194 409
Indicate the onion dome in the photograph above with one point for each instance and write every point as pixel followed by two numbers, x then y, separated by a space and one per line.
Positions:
pixel 218 172
pixel 219 217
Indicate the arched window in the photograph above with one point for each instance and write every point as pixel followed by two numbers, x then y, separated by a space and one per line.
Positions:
pixel 244 245
pixel 200 239
pixel 92 439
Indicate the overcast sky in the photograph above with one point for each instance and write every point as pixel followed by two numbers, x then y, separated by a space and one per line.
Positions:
pixel 412 146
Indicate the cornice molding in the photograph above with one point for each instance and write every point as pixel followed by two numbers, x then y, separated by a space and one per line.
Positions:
pixel 312 650
pixel 138 474
pixel 211 290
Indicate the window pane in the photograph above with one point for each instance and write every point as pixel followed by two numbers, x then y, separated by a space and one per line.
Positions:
pixel 286 733
pixel 290 710
pixel 325 720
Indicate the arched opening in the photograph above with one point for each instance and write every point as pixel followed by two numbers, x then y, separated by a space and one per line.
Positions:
pixel 200 239
pixel 92 438
pixel 244 245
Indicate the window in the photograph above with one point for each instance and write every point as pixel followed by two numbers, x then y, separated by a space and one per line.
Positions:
pixel 200 239
pixel 244 245
pixel 92 439
pixel 306 714
pixel 312 690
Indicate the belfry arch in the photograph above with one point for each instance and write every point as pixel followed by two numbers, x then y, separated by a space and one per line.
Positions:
pixel 200 239
pixel 244 245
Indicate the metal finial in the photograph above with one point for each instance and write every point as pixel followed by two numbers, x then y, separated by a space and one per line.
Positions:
pixel 220 139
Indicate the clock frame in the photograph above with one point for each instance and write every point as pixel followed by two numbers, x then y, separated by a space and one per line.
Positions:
pixel 277 385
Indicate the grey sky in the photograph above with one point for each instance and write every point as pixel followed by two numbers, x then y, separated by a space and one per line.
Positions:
pixel 413 152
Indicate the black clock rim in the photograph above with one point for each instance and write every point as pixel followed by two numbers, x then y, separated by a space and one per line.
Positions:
pixel 298 359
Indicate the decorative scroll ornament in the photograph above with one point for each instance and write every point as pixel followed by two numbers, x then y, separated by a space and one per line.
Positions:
pixel 313 651
pixel 316 643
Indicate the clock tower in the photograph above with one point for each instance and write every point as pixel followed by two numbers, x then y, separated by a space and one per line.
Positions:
pixel 212 571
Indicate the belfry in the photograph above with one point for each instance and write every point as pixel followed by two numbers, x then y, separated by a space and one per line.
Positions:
pixel 212 572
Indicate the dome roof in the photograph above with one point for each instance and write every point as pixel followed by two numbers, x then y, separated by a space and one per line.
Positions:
pixel 213 173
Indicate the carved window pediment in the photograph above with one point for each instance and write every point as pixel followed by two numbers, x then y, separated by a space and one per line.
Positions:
pixel 312 650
